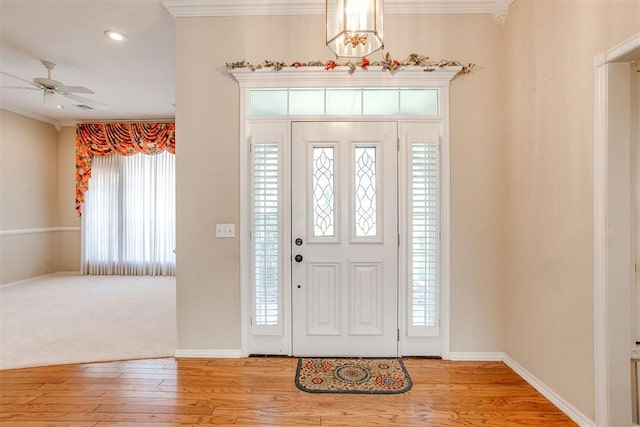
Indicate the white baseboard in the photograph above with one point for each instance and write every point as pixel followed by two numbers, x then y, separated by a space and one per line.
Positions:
pixel 209 353
pixel 469 356
pixel 577 416
pixel 545 390
pixel 29 279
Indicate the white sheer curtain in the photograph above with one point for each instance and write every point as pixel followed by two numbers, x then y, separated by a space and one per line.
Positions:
pixel 128 224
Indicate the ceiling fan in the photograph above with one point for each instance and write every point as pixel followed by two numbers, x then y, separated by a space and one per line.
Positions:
pixel 52 90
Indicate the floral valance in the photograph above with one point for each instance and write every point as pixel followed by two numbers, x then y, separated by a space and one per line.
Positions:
pixel 124 139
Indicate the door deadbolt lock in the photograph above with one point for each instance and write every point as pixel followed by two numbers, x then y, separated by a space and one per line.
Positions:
pixel 298 258
pixel 299 242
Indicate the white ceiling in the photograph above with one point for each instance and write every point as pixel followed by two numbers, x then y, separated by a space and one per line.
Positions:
pixel 136 78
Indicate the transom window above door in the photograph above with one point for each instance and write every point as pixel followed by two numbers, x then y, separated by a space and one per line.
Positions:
pixel 378 101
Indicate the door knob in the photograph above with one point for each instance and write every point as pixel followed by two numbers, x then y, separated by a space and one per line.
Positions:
pixel 298 258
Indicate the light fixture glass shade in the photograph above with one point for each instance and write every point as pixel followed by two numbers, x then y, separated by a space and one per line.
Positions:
pixel 50 99
pixel 354 27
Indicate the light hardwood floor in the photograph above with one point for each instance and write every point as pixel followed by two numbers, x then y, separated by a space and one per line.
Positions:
pixel 261 391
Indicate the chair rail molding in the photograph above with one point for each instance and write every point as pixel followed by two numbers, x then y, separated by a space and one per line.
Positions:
pixel 36 230
pixel 190 8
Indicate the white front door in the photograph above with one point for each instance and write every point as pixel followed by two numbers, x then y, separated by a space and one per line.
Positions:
pixel 344 238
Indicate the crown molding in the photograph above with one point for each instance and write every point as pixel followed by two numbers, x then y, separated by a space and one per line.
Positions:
pixel 502 10
pixel 192 8
pixel 69 123
pixel 27 113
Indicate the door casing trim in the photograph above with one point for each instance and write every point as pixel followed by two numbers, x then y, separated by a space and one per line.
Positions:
pixel 412 77
pixel 603 209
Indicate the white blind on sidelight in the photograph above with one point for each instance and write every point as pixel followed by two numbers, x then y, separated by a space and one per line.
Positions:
pixel 128 223
pixel 423 252
pixel 266 237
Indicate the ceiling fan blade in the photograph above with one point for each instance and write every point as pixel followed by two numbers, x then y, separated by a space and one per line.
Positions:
pixel 85 101
pixel 21 79
pixel 74 89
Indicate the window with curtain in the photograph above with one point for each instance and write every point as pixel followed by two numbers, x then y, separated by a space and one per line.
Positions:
pixel 128 225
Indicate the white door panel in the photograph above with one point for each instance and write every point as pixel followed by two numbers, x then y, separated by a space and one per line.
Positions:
pixel 344 211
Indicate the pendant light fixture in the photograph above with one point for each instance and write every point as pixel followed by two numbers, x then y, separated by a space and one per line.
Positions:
pixel 354 27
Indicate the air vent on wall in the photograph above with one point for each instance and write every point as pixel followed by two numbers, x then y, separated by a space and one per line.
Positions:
pixel 83 106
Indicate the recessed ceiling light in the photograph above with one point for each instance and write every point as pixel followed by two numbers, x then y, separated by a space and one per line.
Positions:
pixel 115 35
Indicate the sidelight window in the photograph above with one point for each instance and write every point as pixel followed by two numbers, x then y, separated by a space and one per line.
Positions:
pixel 266 235
pixel 423 272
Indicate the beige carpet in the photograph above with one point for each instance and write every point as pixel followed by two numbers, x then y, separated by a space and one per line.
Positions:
pixel 68 318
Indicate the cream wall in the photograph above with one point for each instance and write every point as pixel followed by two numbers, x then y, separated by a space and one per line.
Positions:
pixel 37 190
pixel 207 163
pixel 549 266
pixel 477 166
pixel 28 196
pixel 68 241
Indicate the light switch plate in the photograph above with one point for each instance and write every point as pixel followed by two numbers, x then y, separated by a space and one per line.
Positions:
pixel 225 230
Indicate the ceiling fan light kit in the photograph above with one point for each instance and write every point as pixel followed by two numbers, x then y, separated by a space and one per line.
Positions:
pixel 49 98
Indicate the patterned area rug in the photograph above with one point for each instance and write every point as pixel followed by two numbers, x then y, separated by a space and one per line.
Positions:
pixel 344 375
